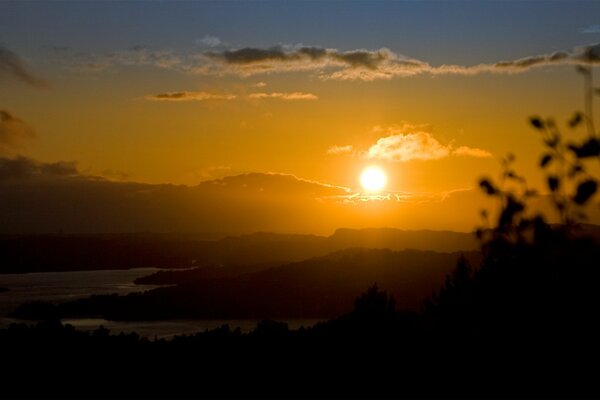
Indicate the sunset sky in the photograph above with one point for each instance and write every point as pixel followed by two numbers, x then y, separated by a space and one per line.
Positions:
pixel 434 93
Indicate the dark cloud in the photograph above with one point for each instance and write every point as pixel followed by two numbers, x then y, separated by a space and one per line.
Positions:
pixel 24 167
pixel 354 58
pixel 370 65
pixel 13 132
pixel 12 66
pixel 189 96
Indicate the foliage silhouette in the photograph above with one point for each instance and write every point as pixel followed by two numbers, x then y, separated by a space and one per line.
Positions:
pixel 536 280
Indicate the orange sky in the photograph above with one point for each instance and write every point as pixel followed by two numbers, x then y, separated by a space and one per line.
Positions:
pixel 158 112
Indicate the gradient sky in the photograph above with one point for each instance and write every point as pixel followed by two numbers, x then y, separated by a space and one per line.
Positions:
pixel 111 68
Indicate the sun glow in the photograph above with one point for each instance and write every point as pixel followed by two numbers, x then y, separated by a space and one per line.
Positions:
pixel 373 179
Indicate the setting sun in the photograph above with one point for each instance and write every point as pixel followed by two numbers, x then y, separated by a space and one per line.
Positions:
pixel 373 179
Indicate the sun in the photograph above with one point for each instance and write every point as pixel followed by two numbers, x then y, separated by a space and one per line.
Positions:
pixel 373 179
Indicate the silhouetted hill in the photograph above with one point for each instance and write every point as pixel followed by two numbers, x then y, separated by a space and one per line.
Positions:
pixel 397 239
pixel 245 253
pixel 121 251
pixel 318 287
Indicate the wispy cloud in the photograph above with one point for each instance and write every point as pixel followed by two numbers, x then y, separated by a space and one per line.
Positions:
pixel 335 150
pixel 189 96
pixel 12 66
pixel 471 152
pixel 591 29
pixel 369 65
pixel 283 96
pixel 14 133
pixel 210 41
pixel 326 63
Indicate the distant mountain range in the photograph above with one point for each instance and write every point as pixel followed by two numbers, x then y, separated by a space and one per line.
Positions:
pixel 245 252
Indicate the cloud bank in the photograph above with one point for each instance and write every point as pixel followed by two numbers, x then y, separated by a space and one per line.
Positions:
pixel 24 168
pixel 283 96
pixel 325 63
pixel 369 65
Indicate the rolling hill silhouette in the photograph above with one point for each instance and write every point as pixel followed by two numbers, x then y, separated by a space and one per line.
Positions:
pixel 319 287
pixel 245 252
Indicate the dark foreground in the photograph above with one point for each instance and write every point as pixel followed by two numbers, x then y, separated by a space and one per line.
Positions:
pixel 524 323
pixel 373 351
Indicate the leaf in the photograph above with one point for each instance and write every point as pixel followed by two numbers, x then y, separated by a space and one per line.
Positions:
pixel 591 148
pixel 576 120
pixel 546 160
pixel 513 207
pixel 536 122
pixel 553 183
pixel 488 187
pixel 553 141
pixel 585 191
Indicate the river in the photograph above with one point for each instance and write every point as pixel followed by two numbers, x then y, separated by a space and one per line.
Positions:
pixel 64 286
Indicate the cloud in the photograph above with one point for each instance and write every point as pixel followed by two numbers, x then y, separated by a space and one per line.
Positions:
pixel 23 167
pixel 210 41
pixel 326 63
pixel 189 96
pixel 591 29
pixel 283 96
pixel 260 84
pixel 12 66
pixel 471 152
pixel 14 132
pixel 407 143
pixel 336 150
pixel 369 65
pixel 134 56
pixel 406 147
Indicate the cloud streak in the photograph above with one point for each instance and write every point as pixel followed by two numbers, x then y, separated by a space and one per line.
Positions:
pixel 189 96
pixel 207 96
pixel 283 96
pixel 14 132
pixel 12 66
pixel 210 41
pixel 325 63
pixel 369 65
pixel 591 29
pixel 336 150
